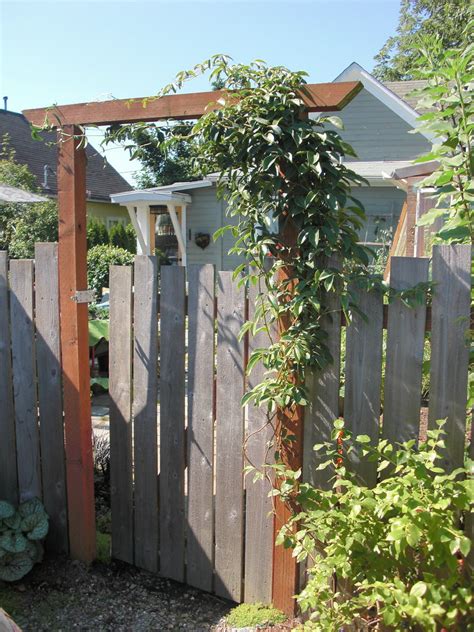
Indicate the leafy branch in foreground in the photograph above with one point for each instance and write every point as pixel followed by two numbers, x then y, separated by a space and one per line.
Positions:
pixel 398 549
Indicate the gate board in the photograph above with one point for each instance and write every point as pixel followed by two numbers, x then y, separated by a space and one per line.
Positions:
pixel 450 319
pixel 363 377
pixel 24 379
pixel 405 343
pixel 8 471
pixel 229 438
pixel 50 404
pixel 120 369
pixel 200 529
pixel 172 446
pixel 258 504
pixel 323 406
pixel 145 366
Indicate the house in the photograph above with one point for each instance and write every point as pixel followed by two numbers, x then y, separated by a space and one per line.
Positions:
pixel 41 159
pixel 377 123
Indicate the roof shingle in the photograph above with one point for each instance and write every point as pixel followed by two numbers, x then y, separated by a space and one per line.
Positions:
pixel 101 178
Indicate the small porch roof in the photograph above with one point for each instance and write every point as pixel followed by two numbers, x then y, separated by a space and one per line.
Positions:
pixel 151 197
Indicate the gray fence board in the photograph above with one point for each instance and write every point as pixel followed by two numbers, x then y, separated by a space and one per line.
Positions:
pixel 363 377
pixel 8 471
pixel 450 321
pixel 323 404
pixel 120 380
pixel 48 357
pixel 24 379
pixel 229 439
pixel 172 446
pixel 258 518
pixel 200 531
pixel 405 341
pixel 145 413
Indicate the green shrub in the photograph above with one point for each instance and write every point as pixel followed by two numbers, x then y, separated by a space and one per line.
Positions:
pixel 34 223
pixel 99 259
pixel 118 236
pixel 397 550
pixel 97 234
pixel 131 238
pixel 254 614
pixel 21 533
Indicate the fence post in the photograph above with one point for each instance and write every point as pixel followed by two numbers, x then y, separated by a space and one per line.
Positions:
pixel 74 344
pixel 285 576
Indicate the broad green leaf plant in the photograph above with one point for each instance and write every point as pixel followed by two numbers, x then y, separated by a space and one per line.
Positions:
pixel 393 555
pixel 22 531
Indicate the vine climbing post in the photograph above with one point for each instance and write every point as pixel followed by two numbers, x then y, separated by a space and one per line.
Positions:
pixel 289 423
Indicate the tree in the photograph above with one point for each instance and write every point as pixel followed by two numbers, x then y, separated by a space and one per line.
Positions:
pixel 164 151
pixel 97 234
pixel 397 60
pixel 21 225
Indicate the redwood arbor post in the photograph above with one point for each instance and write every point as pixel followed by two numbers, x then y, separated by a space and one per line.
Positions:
pixel 72 255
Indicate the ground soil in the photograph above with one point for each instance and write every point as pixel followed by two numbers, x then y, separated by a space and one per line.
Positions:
pixel 61 595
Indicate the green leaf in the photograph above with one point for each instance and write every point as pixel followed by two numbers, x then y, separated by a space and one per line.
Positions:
pixel 35 526
pixel 6 510
pixel 13 542
pixel 418 589
pixel 15 566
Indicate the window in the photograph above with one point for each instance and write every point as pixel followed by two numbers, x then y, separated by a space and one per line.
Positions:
pixel 112 221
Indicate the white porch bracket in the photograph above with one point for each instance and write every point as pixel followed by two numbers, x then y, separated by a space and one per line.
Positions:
pixel 142 243
pixel 178 230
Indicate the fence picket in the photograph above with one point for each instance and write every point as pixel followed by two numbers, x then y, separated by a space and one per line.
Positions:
pixel 323 405
pixel 120 382
pixel 258 521
pixel 229 439
pixel 450 320
pixel 24 379
pixel 145 364
pixel 200 531
pixel 172 441
pixel 405 341
pixel 8 471
pixel 363 377
pixel 48 355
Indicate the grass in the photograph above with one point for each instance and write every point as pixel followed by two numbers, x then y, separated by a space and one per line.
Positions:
pixel 254 614
pixel 103 547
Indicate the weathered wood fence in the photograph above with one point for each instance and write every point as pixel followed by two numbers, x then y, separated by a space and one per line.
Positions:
pixel 32 461
pixel 180 503
pixel 183 508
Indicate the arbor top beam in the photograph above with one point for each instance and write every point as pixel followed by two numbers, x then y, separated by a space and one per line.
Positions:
pixel 318 97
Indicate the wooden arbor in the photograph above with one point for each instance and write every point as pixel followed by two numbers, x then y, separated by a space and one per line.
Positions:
pixel 71 172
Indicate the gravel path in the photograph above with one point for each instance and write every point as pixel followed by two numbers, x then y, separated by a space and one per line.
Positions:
pixel 61 595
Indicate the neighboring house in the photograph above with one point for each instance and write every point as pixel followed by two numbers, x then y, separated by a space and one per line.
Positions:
pixel 41 158
pixel 377 123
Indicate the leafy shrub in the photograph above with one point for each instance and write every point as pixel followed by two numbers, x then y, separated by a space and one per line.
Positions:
pixel 118 236
pixel 36 223
pixel 97 234
pixel 397 550
pixel 131 238
pixel 251 614
pixel 21 533
pixel 99 259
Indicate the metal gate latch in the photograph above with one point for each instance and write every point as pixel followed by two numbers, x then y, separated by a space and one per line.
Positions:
pixel 83 296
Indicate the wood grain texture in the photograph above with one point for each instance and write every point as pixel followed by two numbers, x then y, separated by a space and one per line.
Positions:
pixel 172 440
pixel 318 97
pixel 120 391
pixel 405 341
pixel 8 471
pixel 229 439
pixel 450 323
pixel 323 406
pixel 50 404
pixel 24 379
pixel 145 413
pixel 75 344
pixel 258 505
pixel 200 526
pixel 363 377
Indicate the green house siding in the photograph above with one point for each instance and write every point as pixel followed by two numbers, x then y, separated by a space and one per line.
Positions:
pixel 104 211
pixel 377 133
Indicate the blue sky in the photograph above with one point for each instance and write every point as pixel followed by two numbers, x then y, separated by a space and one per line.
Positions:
pixel 69 51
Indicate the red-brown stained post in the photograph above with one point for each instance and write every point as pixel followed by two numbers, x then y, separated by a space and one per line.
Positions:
pixel 289 422
pixel 74 344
